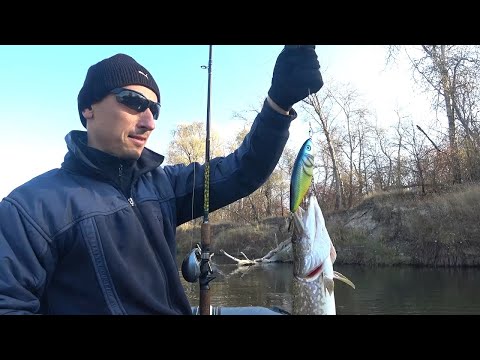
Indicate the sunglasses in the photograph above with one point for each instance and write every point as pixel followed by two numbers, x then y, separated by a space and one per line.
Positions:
pixel 136 101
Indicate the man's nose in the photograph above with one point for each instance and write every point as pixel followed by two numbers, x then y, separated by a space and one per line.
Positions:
pixel 146 120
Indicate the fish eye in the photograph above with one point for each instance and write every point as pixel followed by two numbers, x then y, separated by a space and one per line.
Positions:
pixel 308 147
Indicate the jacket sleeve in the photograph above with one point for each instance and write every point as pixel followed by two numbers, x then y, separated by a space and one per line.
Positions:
pixel 21 274
pixel 236 175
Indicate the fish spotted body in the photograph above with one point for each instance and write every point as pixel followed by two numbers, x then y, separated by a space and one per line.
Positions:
pixel 302 175
pixel 313 258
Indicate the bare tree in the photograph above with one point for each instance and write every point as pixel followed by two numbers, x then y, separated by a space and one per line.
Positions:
pixel 415 146
pixel 383 152
pixel 321 113
pixel 399 129
pixel 452 73
pixel 353 113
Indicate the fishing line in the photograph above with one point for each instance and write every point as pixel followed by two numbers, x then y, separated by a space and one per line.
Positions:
pixel 203 97
pixel 266 60
pixel 193 202
pixel 310 135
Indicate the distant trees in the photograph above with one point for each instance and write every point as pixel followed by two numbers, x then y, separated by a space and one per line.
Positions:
pixel 451 74
pixel 188 144
pixel 356 156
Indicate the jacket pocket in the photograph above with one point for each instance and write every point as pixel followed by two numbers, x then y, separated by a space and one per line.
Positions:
pixel 92 239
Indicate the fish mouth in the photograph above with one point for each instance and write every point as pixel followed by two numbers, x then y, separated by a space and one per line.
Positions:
pixel 314 253
pixel 311 242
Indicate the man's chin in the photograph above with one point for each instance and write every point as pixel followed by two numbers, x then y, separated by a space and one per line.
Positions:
pixel 131 155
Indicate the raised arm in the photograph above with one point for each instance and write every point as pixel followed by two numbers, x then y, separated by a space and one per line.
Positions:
pixel 295 76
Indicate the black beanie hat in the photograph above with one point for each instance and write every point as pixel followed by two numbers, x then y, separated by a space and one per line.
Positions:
pixel 114 72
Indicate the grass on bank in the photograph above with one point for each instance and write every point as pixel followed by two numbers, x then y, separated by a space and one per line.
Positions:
pixel 437 229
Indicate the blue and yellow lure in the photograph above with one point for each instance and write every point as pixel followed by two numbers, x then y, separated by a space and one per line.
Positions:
pixel 302 175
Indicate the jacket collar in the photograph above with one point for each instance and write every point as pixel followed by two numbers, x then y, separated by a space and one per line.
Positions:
pixel 89 161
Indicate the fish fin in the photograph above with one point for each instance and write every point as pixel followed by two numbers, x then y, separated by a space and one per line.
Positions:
pixel 329 285
pixel 333 252
pixel 343 278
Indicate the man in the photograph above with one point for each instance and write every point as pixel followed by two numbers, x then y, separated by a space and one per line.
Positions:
pixel 97 236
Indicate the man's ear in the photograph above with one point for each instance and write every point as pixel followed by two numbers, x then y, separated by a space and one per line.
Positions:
pixel 88 113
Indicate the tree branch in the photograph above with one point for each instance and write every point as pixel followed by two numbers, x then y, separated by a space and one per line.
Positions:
pixel 424 133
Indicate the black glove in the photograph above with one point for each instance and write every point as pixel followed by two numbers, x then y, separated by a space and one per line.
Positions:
pixel 295 76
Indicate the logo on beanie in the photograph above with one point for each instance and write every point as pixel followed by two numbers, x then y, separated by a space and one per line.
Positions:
pixel 146 75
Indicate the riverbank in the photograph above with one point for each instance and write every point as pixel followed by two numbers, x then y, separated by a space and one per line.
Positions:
pixel 397 228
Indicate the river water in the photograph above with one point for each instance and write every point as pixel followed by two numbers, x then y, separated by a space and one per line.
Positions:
pixel 379 290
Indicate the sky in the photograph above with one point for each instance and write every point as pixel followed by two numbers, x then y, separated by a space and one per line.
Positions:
pixel 40 85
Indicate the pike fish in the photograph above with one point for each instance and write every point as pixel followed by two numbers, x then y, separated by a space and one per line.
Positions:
pixel 313 258
pixel 302 175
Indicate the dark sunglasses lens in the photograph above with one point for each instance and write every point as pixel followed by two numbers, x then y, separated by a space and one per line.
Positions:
pixel 155 109
pixel 138 103
pixel 132 100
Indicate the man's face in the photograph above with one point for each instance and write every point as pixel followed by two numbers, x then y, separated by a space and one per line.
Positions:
pixel 119 130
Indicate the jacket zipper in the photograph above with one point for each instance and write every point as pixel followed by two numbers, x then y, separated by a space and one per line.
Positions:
pixel 120 174
pixel 136 211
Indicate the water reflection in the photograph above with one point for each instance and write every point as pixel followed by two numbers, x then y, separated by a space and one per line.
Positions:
pixel 266 285
pixel 390 290
pixel 410 290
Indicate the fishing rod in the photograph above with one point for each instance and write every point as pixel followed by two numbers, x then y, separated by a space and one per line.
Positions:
pixel 205 268
pixel 196 265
